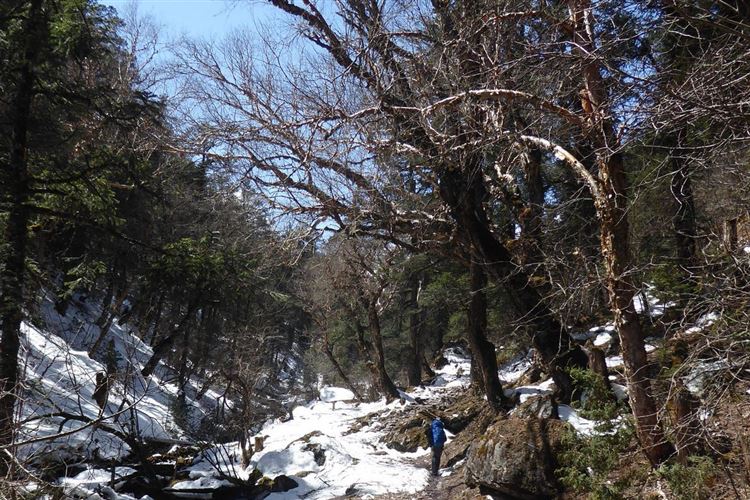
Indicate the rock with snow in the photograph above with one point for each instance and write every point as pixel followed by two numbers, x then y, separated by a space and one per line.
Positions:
pixel 525 392
pixel 588 427
pixel 703 374
pixel 283 483
pixel 542 406
pixel 408 436
pixel 603 339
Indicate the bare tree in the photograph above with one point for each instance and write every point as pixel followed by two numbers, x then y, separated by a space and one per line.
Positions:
pixel 330 135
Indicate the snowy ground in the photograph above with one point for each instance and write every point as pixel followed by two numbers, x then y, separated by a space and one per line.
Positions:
pixel 60 378
pixel 354 461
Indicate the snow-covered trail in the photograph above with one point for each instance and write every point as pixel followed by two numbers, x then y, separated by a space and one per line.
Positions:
pixel 356 461
pixel 346 440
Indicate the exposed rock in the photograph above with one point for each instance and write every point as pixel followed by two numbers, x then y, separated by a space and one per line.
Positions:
pixel 351 490
pixel 306 438
pixel 319 454
pixel 456 450
pixel 533 375
pixel 279 484
pixel 405 428
pixel 255 476
pixel 543 406
pixel 283 483
pixel 408 436
pixel 516 458
pixel 460 414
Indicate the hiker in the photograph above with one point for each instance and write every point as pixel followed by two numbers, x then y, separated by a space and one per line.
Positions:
pixel 436 439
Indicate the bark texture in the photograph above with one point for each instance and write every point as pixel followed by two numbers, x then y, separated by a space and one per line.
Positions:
pixel 610 199
pixel 483 351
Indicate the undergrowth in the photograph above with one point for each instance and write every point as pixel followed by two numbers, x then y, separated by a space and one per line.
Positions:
pixel 586 463
pixel 690 481
pixel 596 399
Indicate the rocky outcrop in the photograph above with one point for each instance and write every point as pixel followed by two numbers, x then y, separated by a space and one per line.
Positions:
pixel 516 457
pixel 408 436
pixel 462 412
pixel 319 453
pixel 409 433
pixel 457 449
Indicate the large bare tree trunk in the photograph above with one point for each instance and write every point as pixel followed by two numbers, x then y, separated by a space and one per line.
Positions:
pixel 414 369
pixel 615 250
pixel 557 352
pixel 385 384
pixel 16 181
pixel 483 350
pixel 610 199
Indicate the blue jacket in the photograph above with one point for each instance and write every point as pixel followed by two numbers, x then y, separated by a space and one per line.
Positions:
pixel 438 434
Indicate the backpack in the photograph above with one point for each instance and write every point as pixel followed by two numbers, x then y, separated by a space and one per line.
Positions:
pixel 438 434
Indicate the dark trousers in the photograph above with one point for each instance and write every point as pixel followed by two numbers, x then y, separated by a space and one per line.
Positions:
pixel 437 451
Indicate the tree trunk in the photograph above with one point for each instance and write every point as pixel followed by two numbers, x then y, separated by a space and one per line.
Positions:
pixel 598 363
pixel 106 303
pixel 475 373
pixel 337 366
pixel 463 190
pixel 384 382
pixel 687 425
pixel 104 319
pixel 16 185
pixel 428 371
pixel 683 221
pixel 610 199
pixel 109 318
pixel 163 347
pixel 531 217
pixel 483 350
pixel 414 369
pixel 157 320
pixel 553 344
pixel 615 250
pixel 730 235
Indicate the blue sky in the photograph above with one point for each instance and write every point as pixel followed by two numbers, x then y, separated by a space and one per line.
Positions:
pixel 202 18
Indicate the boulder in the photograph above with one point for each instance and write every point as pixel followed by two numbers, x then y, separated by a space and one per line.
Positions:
pixel 543 406
pixel 408 436
pixel 319 453
pixel 456 450
pixel 283 483
pixel 461 413
pixel 516 458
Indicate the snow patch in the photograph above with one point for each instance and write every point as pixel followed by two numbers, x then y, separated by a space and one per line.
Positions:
pixel 528 391
pixel 332 394
pixel 582 425
pixel 702 373
pixel 355 461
